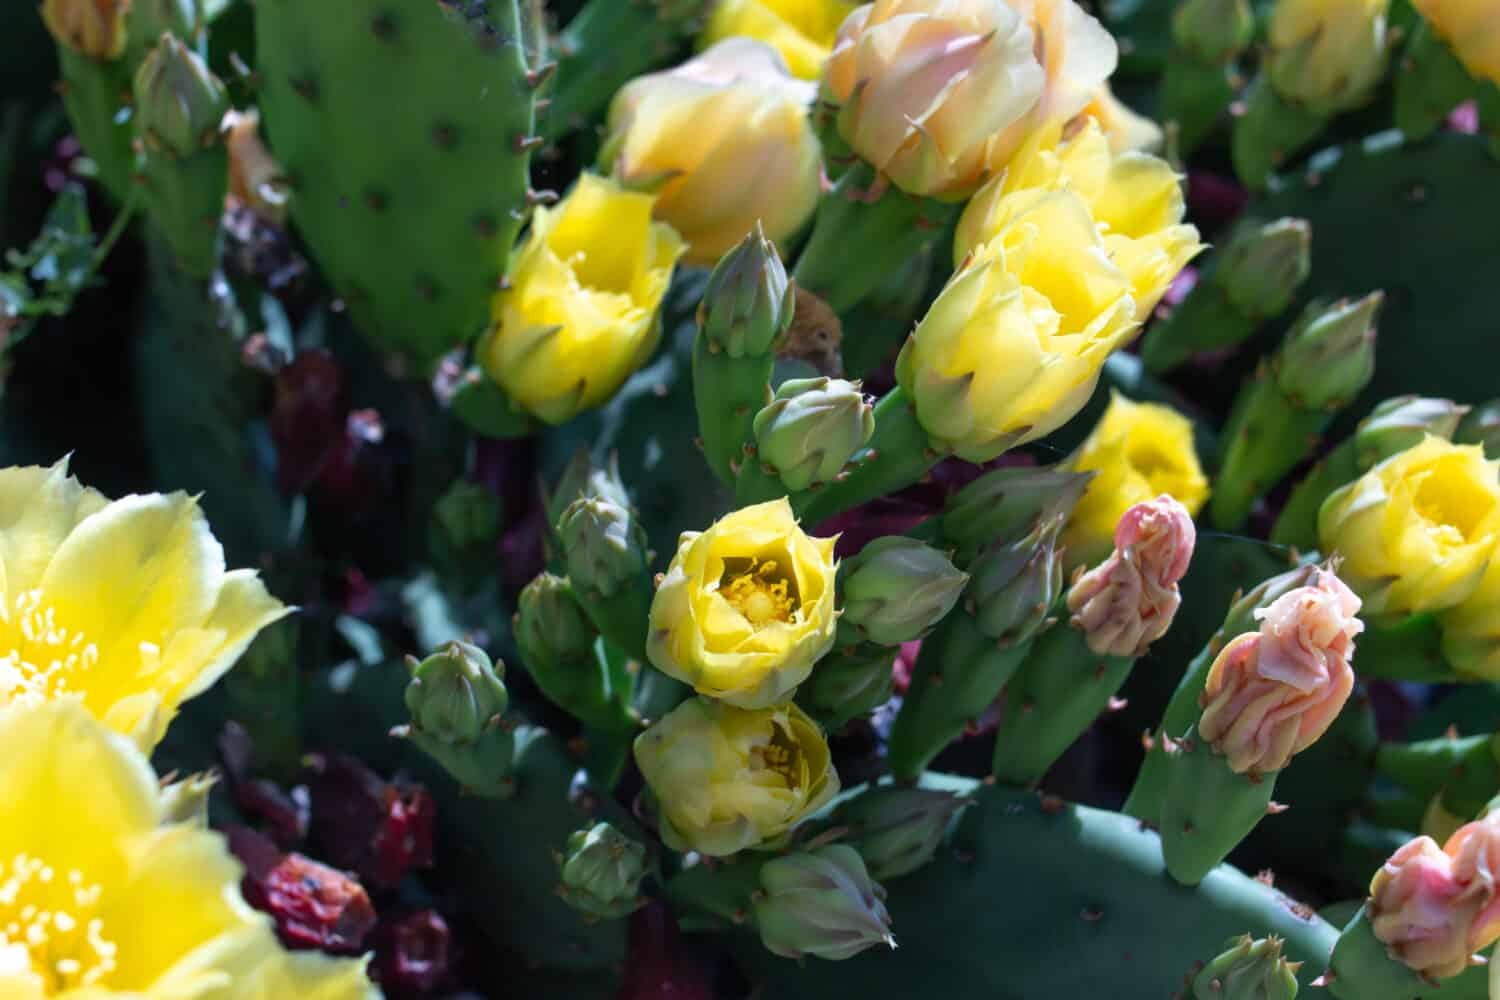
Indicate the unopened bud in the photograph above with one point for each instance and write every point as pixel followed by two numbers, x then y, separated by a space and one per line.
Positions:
pixel 1397 424
pixel 822 903
pixel 1128 601
pixel 602 871
pixel 92 28
pixel 812 428
pixel 849 682
pixel 1271 694
pixel 1014 585
pixel 1329 357
pixel 582 478
pixel 552 631
pixel 1007 503
pixel 465 524
pixel 897 588
pixel 1264 265
pixel 1482 427
pixel 1213 31
pixel 455 695
pixel 1248 969
pixel 179 102
pixel 1327 55
pixel 748 303
pixel 898 829
pixel 603 545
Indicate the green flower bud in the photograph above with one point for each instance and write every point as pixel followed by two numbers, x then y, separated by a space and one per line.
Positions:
pixel 602 871
pixel 582 478
pixel 150 19
pixel 603 545
pixel 847 683
pixel 462 533
pixel 455 695
pixel 1007 503
pixel 1396 424
pixel 897 589
pixel 1482 427
pixel 1326 57
pixel 748 303
pixel 179 102
pixel 897 829
pixel 812 428
pixel 1329 357
pixel 1264 265
pixel 1015 585
pixel 1213 31
pixel 553 633
pixel 823 903
pixel 1248 970
pixel 186 801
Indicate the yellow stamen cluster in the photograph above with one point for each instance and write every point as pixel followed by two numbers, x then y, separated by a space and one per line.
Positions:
pixel 40 656
pixel 759 595
pixel 48 926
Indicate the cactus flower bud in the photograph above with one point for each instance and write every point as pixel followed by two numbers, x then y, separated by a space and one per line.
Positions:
pixel 812 428
pixel 455 695
pixel 552 632
pixel 1009 502
pixel 897 589
pixel 1397 424
pixel 1271 694
pixel 602 871
pixel 748 304
pixel 924 86
pixel 1213 31
pixel 1248 969
pixel 1264 265
pixel 745 608
pixel 581 478
pixel 1481 426
pixel 92 28
pixel 465 526
pixel 726 779
pixel 1469 27
pixel 1327 55
pixel 801 30
pixel 1015 585
pixel 179 102
pixel 1329 357
pixel 254 175
pixel 1416 531
pixel 604 545
pixel 725 142
pixel 822 903
pixel 1434 907
pixel 1128 601
pixel 1137 451
pixel 580 308
pixel 898 829
pixel 849 682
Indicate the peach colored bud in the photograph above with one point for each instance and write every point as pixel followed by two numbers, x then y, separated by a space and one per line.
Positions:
pixel 253 174
pixel 1435 907
pixel 1270 694
pixel 1128 601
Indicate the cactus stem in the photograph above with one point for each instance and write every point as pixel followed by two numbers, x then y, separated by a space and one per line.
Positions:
pixel 305 87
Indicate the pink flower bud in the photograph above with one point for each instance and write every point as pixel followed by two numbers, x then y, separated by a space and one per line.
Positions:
pixel 1434 907
pixel 1128 601
pixel 1270 694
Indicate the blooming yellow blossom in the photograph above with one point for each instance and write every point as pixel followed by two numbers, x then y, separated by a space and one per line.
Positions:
pixel 1417 531
pixel 124 604
pixel 1127 131
pixel 724 141
pixel 581 312
pixel 1327 54
pixel 1472 28
pixel 1137 451
pixel 801 30
pixel 746 608
pixel 727 779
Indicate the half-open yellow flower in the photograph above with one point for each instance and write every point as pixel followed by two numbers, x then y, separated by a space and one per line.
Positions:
pixel 125 605
pixel 1137 451
pixel 1472 28
pixel 746 608
pixel 726 779
pixel 801 30
pixel 581 310
pixel 1417 531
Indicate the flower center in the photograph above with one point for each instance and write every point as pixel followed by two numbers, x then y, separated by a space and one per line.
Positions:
pixel 781 756
pixel 1452 504
pixel 760 592
pixel 49 927
pixel 39 659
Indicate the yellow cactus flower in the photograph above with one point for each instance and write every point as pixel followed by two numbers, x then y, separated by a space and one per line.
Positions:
pixel 925 86
pixel 124 605
pixel 1137 451
pixel 93 28
pixel 724 140
pixel 581 312
pixel 801 30
pixel 1327 54
pixel 1127 131
pixel 1472 28
pixel 1135 200
pixel 727 779
pixel 746 608
pixel 1471 629
pixel 1417 531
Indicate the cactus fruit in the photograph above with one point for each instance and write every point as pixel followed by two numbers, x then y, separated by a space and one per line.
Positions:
pixel 412 220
